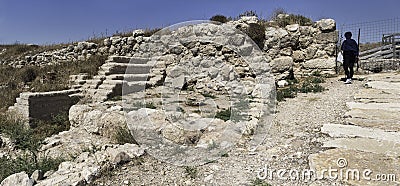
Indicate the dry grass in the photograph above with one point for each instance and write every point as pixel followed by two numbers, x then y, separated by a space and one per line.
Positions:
pixel 41 79
pixel 15 51
pixel 29 140
pixel 369 46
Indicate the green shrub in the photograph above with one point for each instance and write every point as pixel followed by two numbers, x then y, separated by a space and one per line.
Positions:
pixel 224 114
pixel 248 13
pixel 277 12
pixel 27 163
pixel 191 172
pixel 150 105
pixel 257 33
pixel 219 18
pixel 123 136
pixel 21 135
pixel 25 138
pixel 208 95
pixel 292 19
pixel 28 74
pixel 259 182
pixel 289 92
pixel 58 123
pixel 306 85
pixel 150 31
pixel 180 109
pixel 42 79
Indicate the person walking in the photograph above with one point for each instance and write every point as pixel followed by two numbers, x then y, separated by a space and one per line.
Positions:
pixel 350 55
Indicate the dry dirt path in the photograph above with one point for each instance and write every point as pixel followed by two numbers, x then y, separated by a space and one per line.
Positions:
pixel 306 132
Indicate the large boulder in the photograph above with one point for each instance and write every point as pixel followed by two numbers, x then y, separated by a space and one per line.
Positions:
pixel 282 64
pixel 20 179
pixel 97 120
pixel 326 38
pixel 293 27
pixel 298 56
pixel 326 25
pixel 328 63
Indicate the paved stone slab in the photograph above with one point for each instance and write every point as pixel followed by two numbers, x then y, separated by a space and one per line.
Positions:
pixel 389 77
pixel 386 120
pixel 383 85
pixel 378 96
pixel 374 106
pixel 356 160
pixel 366 145
pixel 387 125
pixel 337 130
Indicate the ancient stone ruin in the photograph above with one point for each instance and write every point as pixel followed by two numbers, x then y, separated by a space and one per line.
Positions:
pixel 159 85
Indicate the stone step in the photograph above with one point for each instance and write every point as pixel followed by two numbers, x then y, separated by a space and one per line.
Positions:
pixel 93 81
pixel 112 82
pixel 119 87
pixel 121 68
pixel 80 82
pixel 133 87
pixel 351 131
pixel 123 59
pixel 365 145
pixel 76 86
pixel 77 95
pixel 386 120
pixel 383 85
pixel 346 159
pixel 371 94
pixel 374 106
pixel 92 84
pixel 384 77
pixel 92 92
pixel 128 77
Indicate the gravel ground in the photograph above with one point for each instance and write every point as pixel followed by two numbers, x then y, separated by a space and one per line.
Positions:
pixel 293 136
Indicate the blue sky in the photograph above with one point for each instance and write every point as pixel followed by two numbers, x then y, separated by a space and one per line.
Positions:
pixel 56 21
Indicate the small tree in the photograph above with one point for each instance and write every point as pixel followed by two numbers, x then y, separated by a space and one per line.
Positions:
pixel 219 18
pixel 248 13
pixel 277 12
pixel 257 33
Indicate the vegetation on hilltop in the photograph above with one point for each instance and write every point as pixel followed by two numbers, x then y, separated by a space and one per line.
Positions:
pixel 41 79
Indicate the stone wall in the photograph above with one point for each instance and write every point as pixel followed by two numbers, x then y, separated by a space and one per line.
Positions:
pixel 302 49
pixel 32 106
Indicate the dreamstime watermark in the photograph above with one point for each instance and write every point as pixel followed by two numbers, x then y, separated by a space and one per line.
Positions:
pixel 342 173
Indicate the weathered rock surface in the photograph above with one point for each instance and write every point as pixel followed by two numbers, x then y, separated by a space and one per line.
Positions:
pixel 373 163
pixel 326 24
pixel 372 141
pixel 87 166
pixel 20 179
pixel 320 64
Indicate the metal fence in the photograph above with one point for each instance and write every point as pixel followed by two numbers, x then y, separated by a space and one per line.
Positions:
pixel 379 43
pixel 371 32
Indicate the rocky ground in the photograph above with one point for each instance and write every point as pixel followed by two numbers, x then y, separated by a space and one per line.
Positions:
pixel 190 79
pixel 293 137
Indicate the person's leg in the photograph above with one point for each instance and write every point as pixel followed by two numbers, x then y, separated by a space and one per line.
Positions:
pixel 346 65
pixel 351 66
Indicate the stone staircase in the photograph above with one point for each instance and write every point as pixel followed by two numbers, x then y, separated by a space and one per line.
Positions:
pixel 116 77
pixel 370 138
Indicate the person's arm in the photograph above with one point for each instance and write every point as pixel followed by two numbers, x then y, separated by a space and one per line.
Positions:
pixel 341 47
pixel 357 49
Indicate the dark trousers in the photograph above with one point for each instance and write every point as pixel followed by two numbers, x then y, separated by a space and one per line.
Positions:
pixel 348 64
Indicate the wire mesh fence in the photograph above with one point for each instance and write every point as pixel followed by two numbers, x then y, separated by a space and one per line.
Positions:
pixel 371 33
pixel 379 43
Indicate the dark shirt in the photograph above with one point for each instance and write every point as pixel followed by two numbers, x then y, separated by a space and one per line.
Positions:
pixel 350 46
